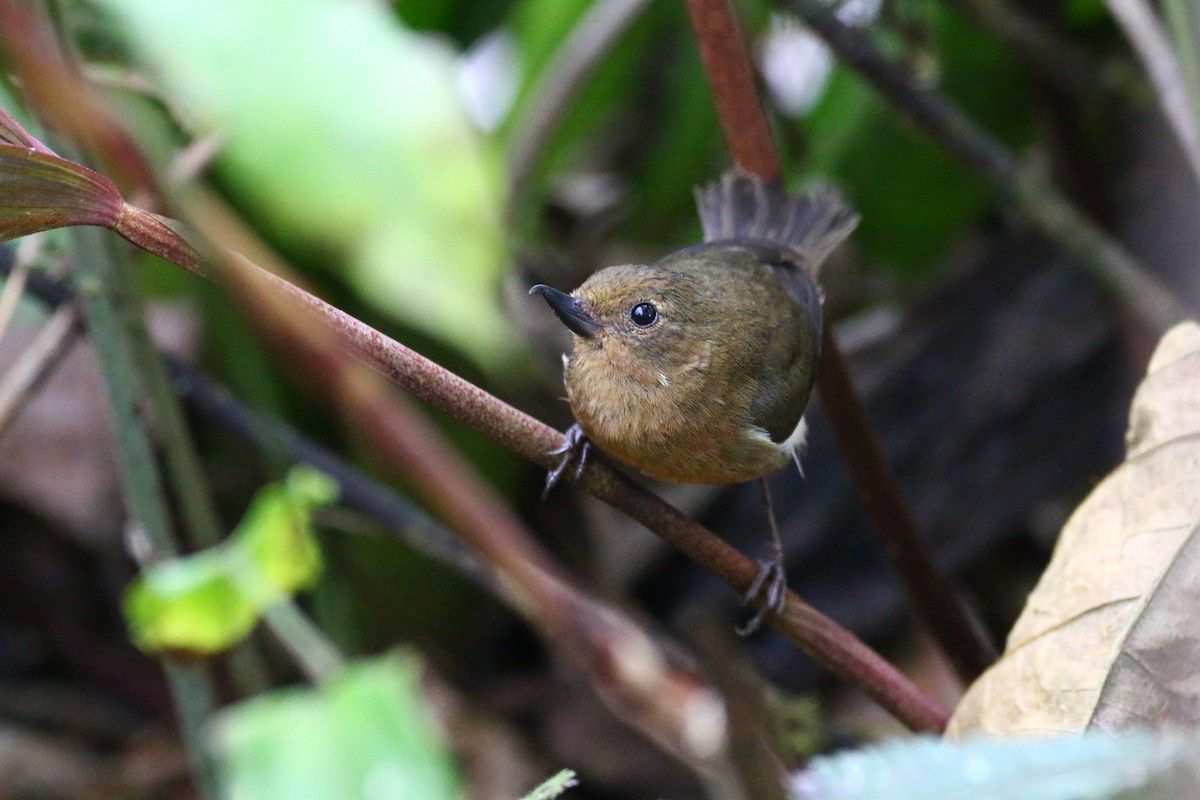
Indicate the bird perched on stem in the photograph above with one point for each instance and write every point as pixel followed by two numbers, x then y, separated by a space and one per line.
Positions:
pixel 698 368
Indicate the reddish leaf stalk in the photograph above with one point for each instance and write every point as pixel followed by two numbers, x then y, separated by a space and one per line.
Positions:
pixel 731 76
pixel 728 65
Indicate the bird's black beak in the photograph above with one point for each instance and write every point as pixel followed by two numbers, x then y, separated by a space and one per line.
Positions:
pixel 567 309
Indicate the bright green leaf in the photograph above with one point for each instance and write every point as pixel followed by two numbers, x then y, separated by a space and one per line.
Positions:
pixel 554 787
pixel 208 601
pixel 191 605
pixel 276 535
pixel 345 132
pixel 364 734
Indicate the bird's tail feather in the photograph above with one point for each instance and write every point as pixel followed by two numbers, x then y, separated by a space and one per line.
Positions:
pixel 741 205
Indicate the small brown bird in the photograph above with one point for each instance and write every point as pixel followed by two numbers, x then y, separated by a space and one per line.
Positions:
pixel 698 368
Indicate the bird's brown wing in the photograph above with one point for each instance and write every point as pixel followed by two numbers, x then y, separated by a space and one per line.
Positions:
pixel 792 353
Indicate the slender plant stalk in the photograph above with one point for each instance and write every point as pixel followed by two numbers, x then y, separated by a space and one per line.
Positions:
pixel 1183 18
pixel 185 475
pixel 36 363
pixel 731 75
pixel 97 279
pixel 317 656
pixel 1153 47
pixel 742 117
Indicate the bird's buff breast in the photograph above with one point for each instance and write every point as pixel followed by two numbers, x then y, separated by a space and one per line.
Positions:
pixel 640 423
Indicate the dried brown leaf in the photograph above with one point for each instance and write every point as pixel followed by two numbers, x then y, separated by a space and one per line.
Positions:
pixel 1108 638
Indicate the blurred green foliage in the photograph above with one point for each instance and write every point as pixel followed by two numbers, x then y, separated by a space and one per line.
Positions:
pixel 208 601
pixel 344 130
pixel 365 733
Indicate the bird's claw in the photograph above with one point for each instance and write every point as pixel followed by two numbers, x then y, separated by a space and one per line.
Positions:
pixel 771 582
pixel 575 448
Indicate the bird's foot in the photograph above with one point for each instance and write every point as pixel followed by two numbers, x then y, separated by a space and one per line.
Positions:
pixel 771 583
pixel 575 449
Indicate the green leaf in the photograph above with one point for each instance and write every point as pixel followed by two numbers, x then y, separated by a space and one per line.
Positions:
pixel 365 733
pixel 553 787
pixel 276 535
pixel 189 605
pixel 206 602
pixel 344 132
pixel 1136 766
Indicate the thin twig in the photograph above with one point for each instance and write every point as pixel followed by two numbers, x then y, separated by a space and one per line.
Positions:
pixel 728 65
pixel 1043 205
pixel 1145 32
pixel 731 75
pixel 97 275
pixel 37 362
pixel 318 657
pixel 14 287
pixel 935 599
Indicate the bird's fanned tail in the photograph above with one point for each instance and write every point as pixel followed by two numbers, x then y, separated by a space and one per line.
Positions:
pixel 741 205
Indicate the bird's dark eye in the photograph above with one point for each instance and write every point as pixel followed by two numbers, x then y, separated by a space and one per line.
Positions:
pixel 643 314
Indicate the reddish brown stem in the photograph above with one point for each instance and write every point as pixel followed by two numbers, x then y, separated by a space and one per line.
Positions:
pixel 731 76
pixel 727 63
pixel 627 669
pixel 928 588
